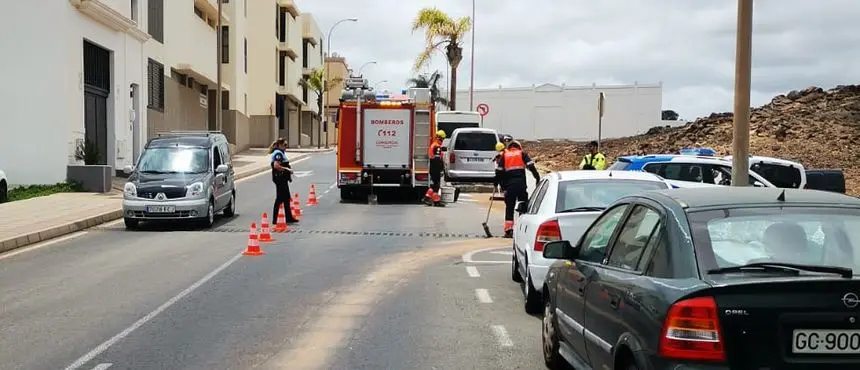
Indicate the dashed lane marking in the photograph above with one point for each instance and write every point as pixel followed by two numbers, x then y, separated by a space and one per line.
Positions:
pixel 502 336
pixel 504 253
pixel 483 296
pixel 103 366
pixel 473 271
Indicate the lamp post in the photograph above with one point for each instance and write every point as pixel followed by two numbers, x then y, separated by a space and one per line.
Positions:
pixel 325 75
pixel 743 66
pixel 360 69
pixel 472 64
pixel 378 83
pixel 219 35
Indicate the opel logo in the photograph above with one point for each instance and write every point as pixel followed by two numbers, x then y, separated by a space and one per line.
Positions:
pixel 850 300
pixel 161 196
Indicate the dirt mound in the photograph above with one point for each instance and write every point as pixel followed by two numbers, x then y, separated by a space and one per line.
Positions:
pixel 818 128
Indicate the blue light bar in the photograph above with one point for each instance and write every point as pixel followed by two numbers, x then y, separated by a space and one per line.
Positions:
pixel 709 152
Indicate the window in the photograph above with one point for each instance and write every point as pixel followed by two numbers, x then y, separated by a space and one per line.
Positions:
pixel 619 165
pixel 246 105
pixel 282 66
pixel 659 265
pixel 782 176
pixel 574 194
pixel 225 44
pixel 305 91
pixel 537 197
pixel 174 160
pixel 791 234
pixel 155 17
pixel 595 240
pixel 634 237
pixel 305 44
pixel 155 80
pixel 216 157
pixel 723 175
pixel 225 100
pixel 246 55
pixel 225 153
pixel 134 10
pixel 484 141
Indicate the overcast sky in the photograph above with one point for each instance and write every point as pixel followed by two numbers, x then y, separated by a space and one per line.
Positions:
pixel 687 44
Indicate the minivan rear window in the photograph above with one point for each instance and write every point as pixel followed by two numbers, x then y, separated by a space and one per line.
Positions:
pixel 781 176
pixel 484 141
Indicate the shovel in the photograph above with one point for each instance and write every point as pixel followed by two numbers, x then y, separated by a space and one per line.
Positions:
pixel 487 220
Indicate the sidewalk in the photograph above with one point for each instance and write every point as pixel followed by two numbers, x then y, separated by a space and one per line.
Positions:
pixel 34 220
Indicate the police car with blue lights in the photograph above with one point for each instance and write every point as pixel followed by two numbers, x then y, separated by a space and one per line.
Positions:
pixel 692 166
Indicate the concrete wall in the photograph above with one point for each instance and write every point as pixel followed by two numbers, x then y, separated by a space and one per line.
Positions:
pixel 263 130
pixel 52 73
pixel 182 110
pixel 237 129
pixel 564 112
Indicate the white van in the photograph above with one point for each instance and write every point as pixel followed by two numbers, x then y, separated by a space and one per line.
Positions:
pixel 449 121
pixel 782 173
pixel 470 155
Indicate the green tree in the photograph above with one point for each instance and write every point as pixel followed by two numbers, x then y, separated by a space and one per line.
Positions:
pixel 440 30
pixel 431 82
pixel 315 82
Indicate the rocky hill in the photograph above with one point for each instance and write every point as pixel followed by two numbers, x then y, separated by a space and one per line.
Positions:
pixel 818 128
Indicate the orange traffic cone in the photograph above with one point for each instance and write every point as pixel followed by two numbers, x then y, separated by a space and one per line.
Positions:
pixel 298 204
pixel 312 197
pixel 281 225
pixel 253 243
pixel 265 234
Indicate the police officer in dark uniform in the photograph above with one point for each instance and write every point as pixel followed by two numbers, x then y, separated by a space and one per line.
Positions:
pixel 511 174
pixel 282 175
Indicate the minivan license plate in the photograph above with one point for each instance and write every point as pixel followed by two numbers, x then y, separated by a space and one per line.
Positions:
pixel 160 209
pixel 826 342
pixel 468 159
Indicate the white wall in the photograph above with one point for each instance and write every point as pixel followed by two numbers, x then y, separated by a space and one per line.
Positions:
pixel 43 92
pixel 262 58
pixel 294 68
pixel 556 112
pixel 234 72
pixel 310 29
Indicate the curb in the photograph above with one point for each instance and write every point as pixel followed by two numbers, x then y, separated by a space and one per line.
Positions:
pixel 88 222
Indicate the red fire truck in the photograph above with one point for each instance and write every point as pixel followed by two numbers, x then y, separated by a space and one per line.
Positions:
pixel 382 143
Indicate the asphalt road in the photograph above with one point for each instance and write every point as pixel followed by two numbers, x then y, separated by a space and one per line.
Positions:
pixel 354 286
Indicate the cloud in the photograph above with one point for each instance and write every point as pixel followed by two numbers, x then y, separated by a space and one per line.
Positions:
pixel 688 45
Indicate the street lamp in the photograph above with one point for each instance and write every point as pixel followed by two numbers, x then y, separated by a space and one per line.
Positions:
pixel 378 83
pixel 472 64
pixel 325 75
pixel 743 66
pixel 360 74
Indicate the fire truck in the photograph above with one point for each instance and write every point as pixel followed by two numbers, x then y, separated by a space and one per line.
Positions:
pixel 382 142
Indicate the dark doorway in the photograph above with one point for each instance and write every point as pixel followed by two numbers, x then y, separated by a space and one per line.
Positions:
pixel 96 91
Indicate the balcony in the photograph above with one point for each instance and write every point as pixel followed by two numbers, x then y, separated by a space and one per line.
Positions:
pixel 105 14
pixel 208 12
pixel 288 49
pixel 290 6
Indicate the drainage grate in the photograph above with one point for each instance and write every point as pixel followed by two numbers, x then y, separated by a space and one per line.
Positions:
pixel 393 234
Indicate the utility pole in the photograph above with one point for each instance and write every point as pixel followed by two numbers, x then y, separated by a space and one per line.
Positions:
pixel 219 37
pixel 472 65
pixel 743 69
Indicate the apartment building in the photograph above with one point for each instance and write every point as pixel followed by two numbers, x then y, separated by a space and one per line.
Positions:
pixel 338 72
pixel 72 73
pixel 312 57
pixel 235 73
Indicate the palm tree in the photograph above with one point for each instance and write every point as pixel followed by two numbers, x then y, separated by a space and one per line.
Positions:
pixel 442 30
pixel 315 81
pixel 432 82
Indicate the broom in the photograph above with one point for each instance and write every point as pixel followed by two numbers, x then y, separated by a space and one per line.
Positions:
pixel 487 220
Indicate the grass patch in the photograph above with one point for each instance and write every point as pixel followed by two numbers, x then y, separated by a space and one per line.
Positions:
pixel 33 191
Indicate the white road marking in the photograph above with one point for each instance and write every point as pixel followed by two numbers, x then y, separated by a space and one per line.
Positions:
pixel 502 336
pixel 473 271
pixel 102 366
pixel 334 185
pixel 303 173
pixel 256 175
pixel 504 253
pixel 483 295
pixel 467 257
pixel 143 320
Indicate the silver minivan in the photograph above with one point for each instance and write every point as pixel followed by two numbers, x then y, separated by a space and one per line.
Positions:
pixel 470 155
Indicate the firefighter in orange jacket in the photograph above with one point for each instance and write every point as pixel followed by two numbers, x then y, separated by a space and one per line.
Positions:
pixel 434 152
pixel 511 174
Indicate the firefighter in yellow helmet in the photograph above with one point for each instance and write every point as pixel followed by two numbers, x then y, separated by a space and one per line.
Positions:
pixel 511 174
pixel 437 166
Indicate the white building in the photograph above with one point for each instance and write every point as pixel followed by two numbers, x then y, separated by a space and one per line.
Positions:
pixel 312 60
pixel 564 112
pixel 73 70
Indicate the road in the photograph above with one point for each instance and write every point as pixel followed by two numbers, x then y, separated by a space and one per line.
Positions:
pixel 354 286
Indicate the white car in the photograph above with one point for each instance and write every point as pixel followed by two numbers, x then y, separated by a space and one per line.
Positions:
pixel 4 187
pixel 699 169
pixel 562 207
pixel 782 173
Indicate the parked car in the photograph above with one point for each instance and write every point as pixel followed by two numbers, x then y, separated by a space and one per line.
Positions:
pixel 562 206
pixel 181 176
pixel 4 187
pixel 708 170
pixel 826 179
pixel 782 173
pixel 722 278
pixel 470 155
